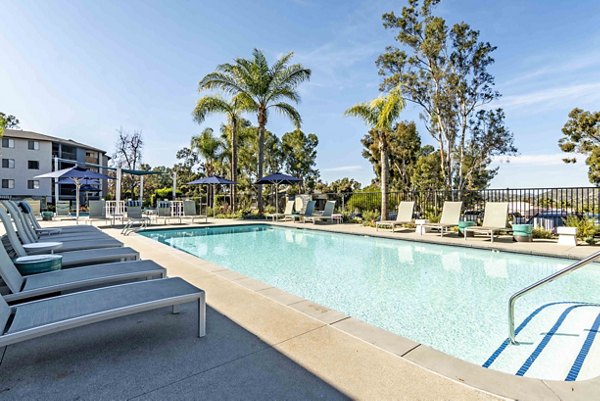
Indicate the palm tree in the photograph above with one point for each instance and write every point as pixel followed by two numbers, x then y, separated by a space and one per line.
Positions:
pixel 233 110
pixel 209 148
pixel 380 115
pixel 261 87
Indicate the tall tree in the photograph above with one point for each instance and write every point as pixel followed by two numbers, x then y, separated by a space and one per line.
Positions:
pixel 210 149
pixel 581 134
pixel 404 148
pixel 233 110
pixel 299 156
pixel 128 154
pixel 8 121
pixel 380 115
pixel 261 87
pixel 445 72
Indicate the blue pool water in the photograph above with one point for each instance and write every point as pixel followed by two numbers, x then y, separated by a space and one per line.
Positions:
pixel 453 299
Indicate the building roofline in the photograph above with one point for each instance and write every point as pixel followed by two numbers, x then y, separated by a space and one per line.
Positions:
pixel 21 134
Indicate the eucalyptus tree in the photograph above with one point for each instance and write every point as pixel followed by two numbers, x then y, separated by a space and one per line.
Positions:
pixel 444 70
pixel 581 134
pixel 299 152
pixel 233 110
pixel 262 87
pixel 380 115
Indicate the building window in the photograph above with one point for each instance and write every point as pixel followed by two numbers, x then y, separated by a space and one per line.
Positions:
pixel 8 163
pixel 33 184
pixel 33 165
pixel 33 145
pixel 8 143
pixel 9 184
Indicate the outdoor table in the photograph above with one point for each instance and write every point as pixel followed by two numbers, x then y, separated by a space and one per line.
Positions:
pixel 420 226
pixel 338 218
pixel 38 247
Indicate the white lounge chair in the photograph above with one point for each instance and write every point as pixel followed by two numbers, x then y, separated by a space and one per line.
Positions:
pixel 289 208
pixel 327 214
pixel 495 218
pixel 405 216
pixel 26 287
pixel 135 217
pixel 52 315
pixel 450 217
pixel 164 212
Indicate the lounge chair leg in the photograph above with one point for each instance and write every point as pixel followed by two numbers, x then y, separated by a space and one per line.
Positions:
pixel 201 317
pixel 175 309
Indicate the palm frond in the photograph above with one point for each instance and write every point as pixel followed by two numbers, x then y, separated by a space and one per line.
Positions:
pixel 289 111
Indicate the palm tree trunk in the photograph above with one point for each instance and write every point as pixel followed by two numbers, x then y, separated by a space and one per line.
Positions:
pixel 233 162
pixel 384 178
pixel 262 122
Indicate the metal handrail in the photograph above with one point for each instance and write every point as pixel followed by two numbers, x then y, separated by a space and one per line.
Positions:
pixel 511 302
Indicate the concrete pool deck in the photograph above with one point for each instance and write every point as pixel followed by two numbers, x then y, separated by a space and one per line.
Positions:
pixel 261 343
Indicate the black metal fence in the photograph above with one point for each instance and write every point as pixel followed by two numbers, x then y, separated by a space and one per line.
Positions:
pixel 525 204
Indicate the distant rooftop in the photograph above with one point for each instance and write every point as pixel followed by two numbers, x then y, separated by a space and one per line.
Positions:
pixel 15 133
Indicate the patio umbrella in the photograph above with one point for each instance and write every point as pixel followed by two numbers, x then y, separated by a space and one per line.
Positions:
pixel 79 176
pixel 212 180
pixel 278 179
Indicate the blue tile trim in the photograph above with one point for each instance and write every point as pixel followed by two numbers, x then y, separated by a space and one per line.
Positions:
pixel 585 349
pixel 538 350
pixel 525 322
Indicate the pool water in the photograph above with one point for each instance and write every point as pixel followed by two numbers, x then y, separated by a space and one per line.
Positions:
pixel 453 299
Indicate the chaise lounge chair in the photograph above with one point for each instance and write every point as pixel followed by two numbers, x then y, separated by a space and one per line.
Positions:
pixel 58 230
pixel 74 258
pixel 327 214
pixel 26 287
pixel 450 217
pixel 495 218
pixel 135 216
pixel 163 211
pixel 405 216
pixel 48 316
pixel 289 209
pixel 189 211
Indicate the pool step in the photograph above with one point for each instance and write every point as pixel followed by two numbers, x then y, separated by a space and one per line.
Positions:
pixel 557 341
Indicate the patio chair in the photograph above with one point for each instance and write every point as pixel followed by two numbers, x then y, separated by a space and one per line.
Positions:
pixel 291 210
pixel 52 315
pixel 63 210
pixel 64 246
pixel 28 236
pixel 73 258
pixel 327 214
pixel 405 216
pixel 308 212
pixel 135 216
pixel 22 218
pixel 26 287
pixel 35 206
pixel 62 229
pixel 495 218
pixel 450 217
pixel 163 211
pixel 97 211
pixel 289 207
pixel 189 211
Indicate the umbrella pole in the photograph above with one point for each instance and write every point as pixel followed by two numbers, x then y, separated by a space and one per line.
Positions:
pixel 214 194
pixel 276 201
pixel 77 186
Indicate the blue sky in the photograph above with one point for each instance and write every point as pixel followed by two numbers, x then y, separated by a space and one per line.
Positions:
pixel 82 69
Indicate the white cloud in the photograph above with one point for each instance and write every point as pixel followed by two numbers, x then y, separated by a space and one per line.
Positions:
pixel 548 159
pixel 343 169
pixel 545 98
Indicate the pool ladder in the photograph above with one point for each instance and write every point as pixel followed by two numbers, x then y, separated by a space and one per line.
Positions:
pixel 563 272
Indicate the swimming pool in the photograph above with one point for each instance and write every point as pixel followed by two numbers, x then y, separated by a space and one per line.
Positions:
pixel 450 298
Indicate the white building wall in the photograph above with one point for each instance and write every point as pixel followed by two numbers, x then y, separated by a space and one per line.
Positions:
pixel 21 172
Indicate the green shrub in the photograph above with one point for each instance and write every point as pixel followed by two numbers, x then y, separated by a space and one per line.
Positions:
pixel 370 217
pixel 542 233
pixel 586 229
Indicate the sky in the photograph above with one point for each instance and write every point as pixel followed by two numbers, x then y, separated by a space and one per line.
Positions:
pixel 83 69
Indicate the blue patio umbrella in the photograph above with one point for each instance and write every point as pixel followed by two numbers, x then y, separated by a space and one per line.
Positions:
pixel 212 180
pixel 79 176
pixel 277 179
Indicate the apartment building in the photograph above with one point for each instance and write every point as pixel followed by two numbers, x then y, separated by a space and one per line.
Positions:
pixel 25 154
